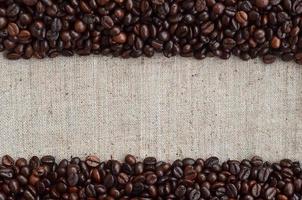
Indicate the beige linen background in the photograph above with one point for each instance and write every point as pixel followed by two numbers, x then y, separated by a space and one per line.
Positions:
pixel 169 108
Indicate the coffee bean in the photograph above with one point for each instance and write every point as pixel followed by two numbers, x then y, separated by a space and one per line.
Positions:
pixel 79 26
pixel 150 161
pixel 151 179
pixel 268 59
pixel 7 160
pixel 200 5
pixel 298 58
pixel 190 173
pixel 242 18
pixel 207 28
pixel 270 193
pixel 194 194
pixel 120 38
pixel 130 159
pixel 180 191
pixel 30 2
pixel 231 190
pixel 107 22
pixel 3 22
pixel 72 179
pixel 109 181
pixel 6 173
pixel 13 10
pixel 288 189
pixel 218 8
pixel 297 6
pixel 275 42
pixel 92 161
pixel 256 190
pixel 261 3
pixel 49 160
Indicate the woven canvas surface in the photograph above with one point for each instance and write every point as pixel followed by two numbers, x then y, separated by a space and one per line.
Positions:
pixel 168 108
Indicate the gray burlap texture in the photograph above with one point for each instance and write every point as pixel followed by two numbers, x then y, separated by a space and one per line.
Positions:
pixel 168 108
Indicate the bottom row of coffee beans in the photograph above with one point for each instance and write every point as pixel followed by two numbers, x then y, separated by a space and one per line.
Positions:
pixel 192 179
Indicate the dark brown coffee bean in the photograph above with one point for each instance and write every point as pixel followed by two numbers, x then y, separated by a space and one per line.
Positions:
pixel 130 159
pixel 49 160
pixel 7 160
pixel 13 56
pixel 180 191
pixel 242 18
pixel 270 193
pixel 151 179
pixel 6 173
pixel 120 38
pixel 3 22
pixel 261 3
pixel 207 28
pixel 194 194
pixel 79 26
pixel 30 2
pixel 269 59
pixel 256 190
pixel 231 190
pixel 218 8
pixel 190 173
pixel 92 161
pixel 289 189
pixel 72 179
pixel 109 181
pixel 107 22
pixel 298 58
pixel 12 29
pixel 200 5
pixel 13 10
pixel 297 6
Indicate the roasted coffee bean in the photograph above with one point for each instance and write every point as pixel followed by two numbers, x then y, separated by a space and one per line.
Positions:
pixel 7 160
pixel 13 10
pixel 127 28
pixel 256 190
pixel 12 29
pixel 79 26
pixel 297 6
pixel 30 2
pixel 3 22
pixel 107 22
pixel 270 193
pixel 92 161
pixel 184 179
pixel 269 59
pixel 120 38
pixel 180 191
pixel 261 3
pixel 242 18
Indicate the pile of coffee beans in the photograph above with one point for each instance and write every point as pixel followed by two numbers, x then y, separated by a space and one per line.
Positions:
pixel 200 179
pixel 131 28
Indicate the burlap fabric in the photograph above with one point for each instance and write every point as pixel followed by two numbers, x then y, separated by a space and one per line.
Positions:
pixel 168 108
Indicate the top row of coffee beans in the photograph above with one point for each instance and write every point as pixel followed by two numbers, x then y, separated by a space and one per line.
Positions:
pixel 269 29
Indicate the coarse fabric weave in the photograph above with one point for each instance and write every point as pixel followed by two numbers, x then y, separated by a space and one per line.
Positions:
pixel 168 108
